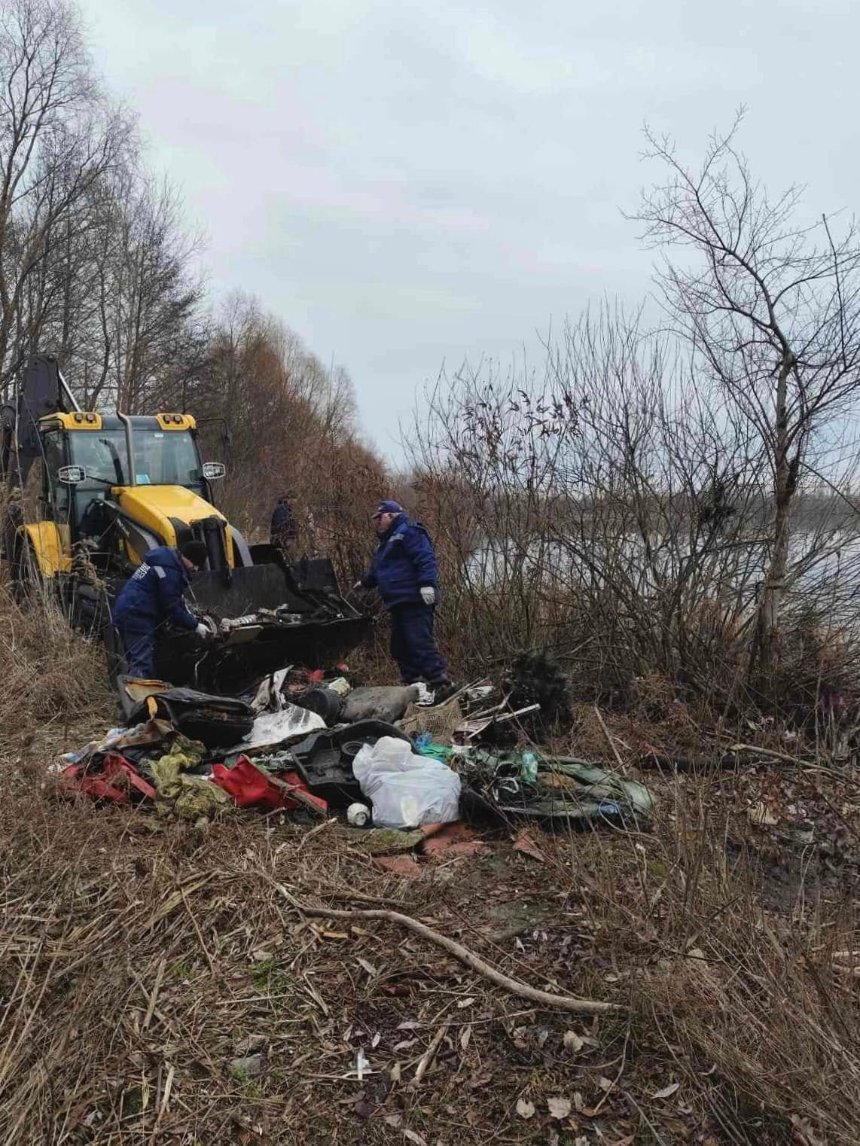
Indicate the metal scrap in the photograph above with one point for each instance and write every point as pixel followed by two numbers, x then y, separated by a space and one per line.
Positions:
pixel 476 726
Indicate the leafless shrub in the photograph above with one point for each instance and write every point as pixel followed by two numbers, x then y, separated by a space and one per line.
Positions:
pixel 616 510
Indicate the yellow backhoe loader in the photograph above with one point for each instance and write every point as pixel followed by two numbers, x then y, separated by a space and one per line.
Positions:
pixel 89 493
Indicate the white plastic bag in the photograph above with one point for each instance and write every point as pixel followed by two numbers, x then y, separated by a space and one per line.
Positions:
pixel 273 728
pixel 406 790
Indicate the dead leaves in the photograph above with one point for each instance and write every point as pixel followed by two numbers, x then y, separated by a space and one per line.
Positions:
pixel 416 1139
pixel 525 844
pixel 667 1091
pixel 761 815
pixel 559 1108
pixel 804 1134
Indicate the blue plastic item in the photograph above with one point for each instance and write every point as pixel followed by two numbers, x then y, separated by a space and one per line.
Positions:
pixel 609 808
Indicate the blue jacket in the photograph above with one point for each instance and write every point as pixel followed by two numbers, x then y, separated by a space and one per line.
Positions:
pixel 283 521
pixel 403 564
pixel 153 593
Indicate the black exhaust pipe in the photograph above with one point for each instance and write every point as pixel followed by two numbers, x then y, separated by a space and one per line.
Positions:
pixel 215 539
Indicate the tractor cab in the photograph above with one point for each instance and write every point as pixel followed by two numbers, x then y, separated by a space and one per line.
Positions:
pixel 117 507
pixel 102 489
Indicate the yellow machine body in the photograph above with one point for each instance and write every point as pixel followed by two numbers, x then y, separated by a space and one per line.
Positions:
pixel 158 507
pixel 50 548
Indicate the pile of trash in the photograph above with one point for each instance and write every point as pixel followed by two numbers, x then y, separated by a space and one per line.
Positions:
pixel 310 742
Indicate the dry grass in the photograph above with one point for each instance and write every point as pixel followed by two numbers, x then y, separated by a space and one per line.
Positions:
pixel 48 673
pixel 141 961
pixel 732 958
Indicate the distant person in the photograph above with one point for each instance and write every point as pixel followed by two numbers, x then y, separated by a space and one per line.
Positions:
pixel 284 530
pixel 153 595
pixel 405 573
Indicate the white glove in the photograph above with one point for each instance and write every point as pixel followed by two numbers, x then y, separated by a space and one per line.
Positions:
pixel 204 632
pixel 428 595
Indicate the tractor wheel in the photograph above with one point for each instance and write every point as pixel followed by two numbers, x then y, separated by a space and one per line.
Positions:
pixel 86 606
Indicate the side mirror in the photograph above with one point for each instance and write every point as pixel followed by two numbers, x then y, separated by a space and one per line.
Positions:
pixel 213 471
pixel 71 475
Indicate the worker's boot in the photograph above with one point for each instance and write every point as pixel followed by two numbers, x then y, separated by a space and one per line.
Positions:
pixel 442 690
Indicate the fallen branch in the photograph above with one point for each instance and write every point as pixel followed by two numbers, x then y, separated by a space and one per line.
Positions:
pixel 461 953
pixel 755 750
pixel 428 1056
pixel 738 750
pixel 610 742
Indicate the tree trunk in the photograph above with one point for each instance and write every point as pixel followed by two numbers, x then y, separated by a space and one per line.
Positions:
pixel 773 589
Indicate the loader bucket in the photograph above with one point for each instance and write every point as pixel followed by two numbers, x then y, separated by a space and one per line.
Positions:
pixel 289 615
pixel 250 589
pixel 232 671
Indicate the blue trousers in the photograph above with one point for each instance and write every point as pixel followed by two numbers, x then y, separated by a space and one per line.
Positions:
pixel 138 638
pixel 413 645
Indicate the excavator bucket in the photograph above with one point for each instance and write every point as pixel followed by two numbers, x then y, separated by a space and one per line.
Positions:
pixel 268 616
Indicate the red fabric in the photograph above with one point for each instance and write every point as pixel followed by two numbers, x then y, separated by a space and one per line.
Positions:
pixel 251 787
pixel 114 780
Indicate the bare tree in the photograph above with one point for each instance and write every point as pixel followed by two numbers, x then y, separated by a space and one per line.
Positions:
pixel 58 138
pixel 150 309
pixel 291 432
pixel 771 309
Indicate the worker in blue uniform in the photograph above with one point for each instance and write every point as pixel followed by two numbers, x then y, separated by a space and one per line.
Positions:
pixel 152 596
pixel 284 531
pixel 405 572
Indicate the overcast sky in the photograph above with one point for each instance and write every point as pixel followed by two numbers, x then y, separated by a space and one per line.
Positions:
pixel 409 184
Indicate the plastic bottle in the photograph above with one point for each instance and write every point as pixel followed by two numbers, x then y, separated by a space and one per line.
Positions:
pixel 529 767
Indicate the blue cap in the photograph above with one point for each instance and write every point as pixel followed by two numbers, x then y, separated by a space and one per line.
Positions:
pixel 387 507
